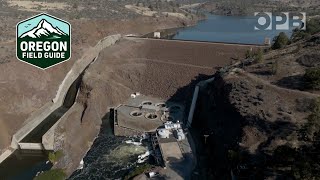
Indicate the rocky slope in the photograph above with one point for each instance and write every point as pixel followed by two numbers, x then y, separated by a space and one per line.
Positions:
pixel 257 128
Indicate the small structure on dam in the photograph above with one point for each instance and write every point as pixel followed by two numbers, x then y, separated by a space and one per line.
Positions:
pixel 143 114
pixel 161 123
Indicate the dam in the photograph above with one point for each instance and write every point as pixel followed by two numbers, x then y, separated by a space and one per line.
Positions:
pixel 170 60
pixel 29 137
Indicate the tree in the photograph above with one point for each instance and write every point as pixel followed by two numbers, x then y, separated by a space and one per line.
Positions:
pixel 312 127
pixel 312 28
pixel 280 41
pixel 259 56
pixel 312 78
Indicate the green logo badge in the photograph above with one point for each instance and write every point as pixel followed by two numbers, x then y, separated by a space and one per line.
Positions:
pixel 43 41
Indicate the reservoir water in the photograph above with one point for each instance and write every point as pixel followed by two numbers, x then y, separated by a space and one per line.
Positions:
pixel 228 29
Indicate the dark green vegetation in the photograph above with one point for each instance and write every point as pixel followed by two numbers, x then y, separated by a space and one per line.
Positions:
pixel 311 130
pixel 312 78
pixel 257 55
pixel 313 27
pixel 138 170
pixel 55 156
pixel 280 41
pixel 54 174
pixel 303 162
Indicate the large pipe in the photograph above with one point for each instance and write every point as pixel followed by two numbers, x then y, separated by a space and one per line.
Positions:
pixel 193 105
pixel 194 99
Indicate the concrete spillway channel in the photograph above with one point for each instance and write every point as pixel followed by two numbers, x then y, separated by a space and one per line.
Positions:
pixel 30 136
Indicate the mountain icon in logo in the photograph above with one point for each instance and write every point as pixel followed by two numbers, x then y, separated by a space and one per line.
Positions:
pixel 45 30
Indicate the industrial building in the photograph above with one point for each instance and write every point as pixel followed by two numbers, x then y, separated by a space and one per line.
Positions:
pixel 161 120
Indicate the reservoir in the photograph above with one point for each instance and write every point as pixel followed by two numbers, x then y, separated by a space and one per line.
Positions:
pixel 228 29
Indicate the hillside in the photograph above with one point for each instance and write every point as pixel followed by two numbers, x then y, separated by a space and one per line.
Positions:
pixel 261 119
pixel 248 7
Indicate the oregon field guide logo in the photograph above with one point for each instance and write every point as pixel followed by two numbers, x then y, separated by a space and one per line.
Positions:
pixel 43 41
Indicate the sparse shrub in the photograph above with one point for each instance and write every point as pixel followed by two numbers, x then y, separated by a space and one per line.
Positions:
pixel 249 53
pixel 314 118
pixel 233 156
pixel 75 5
pixel 174 10
pixel 312 127
pixel 274 68
pixel 150 7
pixel 280 41
pixel 312 78
pixel 55 156
pixel 259 56
pixel 313 27
pixel 53 174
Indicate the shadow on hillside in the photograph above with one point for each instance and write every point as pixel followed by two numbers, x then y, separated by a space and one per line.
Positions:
pixel 262 72
pixel 184 94
pixel 217 117
pixel 292 82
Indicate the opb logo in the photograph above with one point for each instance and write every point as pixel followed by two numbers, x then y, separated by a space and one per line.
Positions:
pixel 284 21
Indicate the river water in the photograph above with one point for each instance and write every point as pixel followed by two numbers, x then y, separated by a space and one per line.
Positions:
pixel 109 157
pixel 228 29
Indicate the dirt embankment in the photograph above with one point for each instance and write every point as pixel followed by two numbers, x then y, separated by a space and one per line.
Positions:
pixel 163 69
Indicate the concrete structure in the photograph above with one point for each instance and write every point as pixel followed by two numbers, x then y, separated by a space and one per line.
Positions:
pixel 170 149
pixel 162 122
pixel 41 114
pixel 267 41
pixel 197 42
pixel 179 134
pixel 31 146
pixel 36 118
pixel 171 152
pixel 6 154
pixel 163 133
pixel 144 114
pixel 157 35
pixel 195 98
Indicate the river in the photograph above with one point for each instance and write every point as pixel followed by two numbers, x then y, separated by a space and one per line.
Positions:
pixel 109 157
